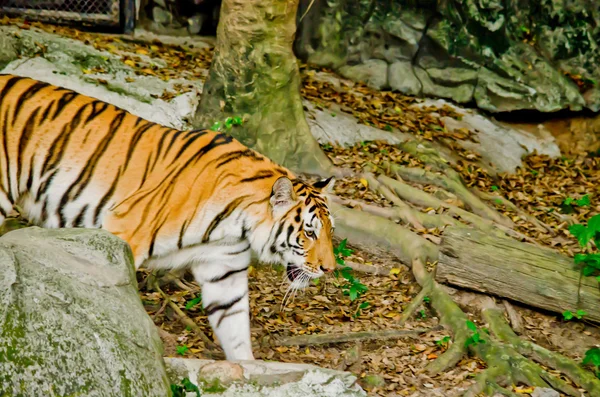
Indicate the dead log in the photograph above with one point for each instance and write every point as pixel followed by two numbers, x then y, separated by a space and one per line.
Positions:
pixel 518 271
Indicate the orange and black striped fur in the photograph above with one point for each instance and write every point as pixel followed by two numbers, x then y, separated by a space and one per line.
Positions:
pixel 197 199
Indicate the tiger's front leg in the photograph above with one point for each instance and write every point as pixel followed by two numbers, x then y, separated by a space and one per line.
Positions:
pixel 225 300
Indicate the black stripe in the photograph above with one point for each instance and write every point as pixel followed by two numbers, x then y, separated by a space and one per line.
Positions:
pixel 228 274
pixel 84 177
pixel 173 139
pixel 234 156
pixel 62 103
pixel 221 216
pixel 78 222
pixel 215 307
pixel 161 142
pixel 228 314
pixel 154 234
pixel 31 91
pixel 4 95
pixel 190 139
pixel 259 175
pixel 181 234
pixel 98 107
pixel 137 136
pixel 23 141
pixel 105 199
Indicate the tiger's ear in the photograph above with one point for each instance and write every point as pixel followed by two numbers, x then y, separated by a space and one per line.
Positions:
pixel 282 195
pixel 325 185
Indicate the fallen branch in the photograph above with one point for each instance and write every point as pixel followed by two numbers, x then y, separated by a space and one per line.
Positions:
pixel 185 320
pixel 321 339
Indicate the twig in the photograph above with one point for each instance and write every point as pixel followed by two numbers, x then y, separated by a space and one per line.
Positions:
pixel 513 316
pixel 321 339
pixel 414 304
pixel 185 320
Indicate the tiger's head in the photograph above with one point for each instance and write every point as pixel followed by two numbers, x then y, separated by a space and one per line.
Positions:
pixel 303 229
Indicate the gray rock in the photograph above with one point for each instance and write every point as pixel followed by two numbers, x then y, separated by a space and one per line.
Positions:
pixel 373 72
pixel 545 392
pixel 265 379
pixel 402 78
pixel 8 52
pixel 161 15
pixel 452 83
pixel 71 321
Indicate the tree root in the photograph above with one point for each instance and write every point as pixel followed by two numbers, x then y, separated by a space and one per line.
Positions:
pixel 452 184
pixel 506 358
pixel 369 269
pixel 412 307
pixel 321 339
pixel 583 378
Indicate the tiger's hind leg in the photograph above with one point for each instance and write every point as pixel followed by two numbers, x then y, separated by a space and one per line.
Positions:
pixel 224 283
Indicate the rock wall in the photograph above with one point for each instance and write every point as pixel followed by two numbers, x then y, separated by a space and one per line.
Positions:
pixel 71 321
pixel 500 55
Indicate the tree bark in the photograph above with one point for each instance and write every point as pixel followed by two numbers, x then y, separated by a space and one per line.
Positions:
pixel 504 267
pixel 254 75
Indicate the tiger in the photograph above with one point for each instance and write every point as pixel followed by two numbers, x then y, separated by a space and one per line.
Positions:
pixel 195 199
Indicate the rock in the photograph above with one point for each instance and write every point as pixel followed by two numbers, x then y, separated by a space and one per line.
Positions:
pixel 402 78
pixel 71 321
pixel 545 392
pixel 266 379
pixel 223 371
pixel 501 56
pixel 8 52
pixel 161 15
pixel 373 72
pixel 195 23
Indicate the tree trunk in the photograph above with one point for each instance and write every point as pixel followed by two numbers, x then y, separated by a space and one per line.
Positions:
pixel 522 272
pixel 254 75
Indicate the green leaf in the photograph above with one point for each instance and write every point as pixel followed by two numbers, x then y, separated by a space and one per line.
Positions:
pixel 584 201
pixel 237 120
pixel 494 188
pixel 181 349
pixel 190 387
pixel 444 341
pixel 426 299
pixel 580 313
pixel 471 325
pixel 568 201
pixel 193 302
pixel 582 234
pixel 216 126
pixel 364 305
pixel 592 357
pixel 567 315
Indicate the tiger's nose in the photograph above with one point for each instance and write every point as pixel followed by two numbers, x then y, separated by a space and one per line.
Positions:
pixel 325 270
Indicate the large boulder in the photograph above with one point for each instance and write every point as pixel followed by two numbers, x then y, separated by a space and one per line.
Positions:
pixel 500 55
pixel 71 321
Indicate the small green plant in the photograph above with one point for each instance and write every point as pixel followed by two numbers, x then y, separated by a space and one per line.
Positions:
pixel 592 358
pixel 228 123
pixel 214 386
pixel 568 205
pixel 361 307
pixel 443 342
pixel 185 386
pixel 182 349
pixel 190 304
pixel 353 288
pixel 426 299
pixel 327 146
pixel 421 314
pixel 568 315
pixel 475 337
pixel 495 188
pixel 588 262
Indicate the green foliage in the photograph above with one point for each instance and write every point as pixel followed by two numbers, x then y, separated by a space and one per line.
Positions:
pixel 353 287
pixel 588 263
pixel 227 124
pixel 568 315
pixel 361 307
pixel 443 342
pixel 185 386
pixel 475 337
pixel 190 304
pixel 592 358
pixel 426 299
pixel 181 349
pixel 495 188
pixel 568 205
pixel 421 314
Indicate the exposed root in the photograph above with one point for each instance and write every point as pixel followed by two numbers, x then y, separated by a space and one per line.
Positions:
pixel 412 307
pixel 573 370
pixel 452 184
pixel 321 339
pixel 369 269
